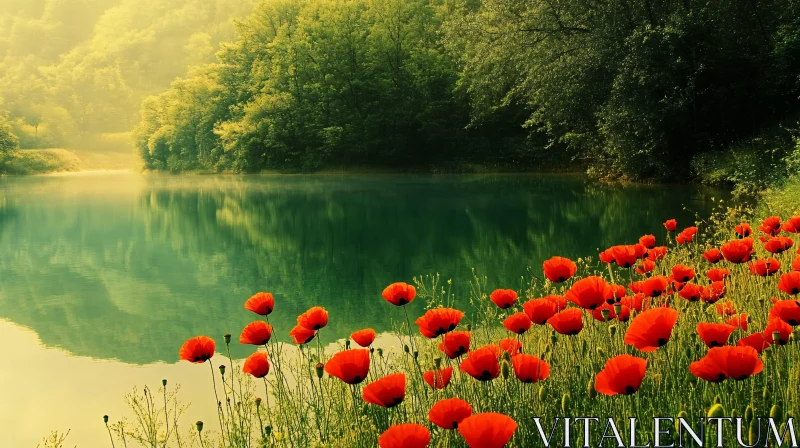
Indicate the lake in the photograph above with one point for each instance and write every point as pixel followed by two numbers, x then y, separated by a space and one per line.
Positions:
pixel 104 275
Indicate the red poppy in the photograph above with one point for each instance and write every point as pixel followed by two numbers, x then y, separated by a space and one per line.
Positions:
pixel 364 337
pixel 682 273
pixel 588 292
pixel 197 349
pixel 560 301
pixel 449 413
pixel 636 302
pixel 771 225
pixel 568 322
pixel 503 298
pixel 655 286
pixel 692 292
pixel 313 319
pixel 482 364
pixel 688 234
pixel 657 253
pixel 717 275
pixel 778 328
pixel 261 303
pixel 739 321
pixel 517 323
pixel 786 310
pixel 651 329
pixel 636 287
pixel 301 335
pixel 438 379
pixel 796 264
pixel 439 321
pixel 606 312
pixel 680 239
pixel 406 435
pixel 716 290
pixel 559 269
pixel 350 366
pixel 606 256
pixel 645 267
pixel 256 333
pixel 455 344
pixel 720 363
pixel 511 345
pixel 625 256
pixel 622 374
pixel 256 365
pixel 792 225
pixel 726 309
pixel 764 267
pixel 487 430
pixel 743 230
pixel 539 310
pixel 714 335
pixel 648 241
pixel 790 283
pixel 713 255
pixel 613 293
pixel 757 341
pixel 388 391
pixel 399 293
pixel 778 244
pixel 530 369
pixel 738 251
pixel 670 225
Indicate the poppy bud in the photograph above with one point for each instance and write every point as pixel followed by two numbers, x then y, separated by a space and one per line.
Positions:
pixel 733 413
pixel 371 350
pixel 380 352
pixel 227 338
pixel 617 308
pixel 469 327
pixel 716 411
pixel 761 300
pixel 565 402
pixel 438 362
pixel 689 352
pixel 505 368
pixel 792 338
pixel 541 393
pixel 164 382
pixel 754 433
pixel 590 389
pixel 612 330
pixel 319 367
pixel 765 394
pixel 775 412
pixel 606 313
pixel 776 337
pixel 268 430
pixel 258 401
pixel 406 348
pixel 199 425
pixel 748 413
pixel 416 354
pixel 601 352
pixel 681 415
pixel 347 344
pixel 105 419
pixel 553 338
pixel 717 400
pixel 222 369
pixel 506 356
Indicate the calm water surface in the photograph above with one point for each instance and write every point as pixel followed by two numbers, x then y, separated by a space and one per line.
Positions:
pixel 103 276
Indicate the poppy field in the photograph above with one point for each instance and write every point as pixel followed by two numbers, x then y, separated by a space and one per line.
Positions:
pixel 699 321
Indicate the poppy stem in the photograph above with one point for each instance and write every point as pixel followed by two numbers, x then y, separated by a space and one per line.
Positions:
pixel 218 403
pixel 233 392
pixel 109 435
pixel 166 415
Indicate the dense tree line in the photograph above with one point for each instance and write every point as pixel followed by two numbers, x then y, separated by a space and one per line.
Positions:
pixel 629 88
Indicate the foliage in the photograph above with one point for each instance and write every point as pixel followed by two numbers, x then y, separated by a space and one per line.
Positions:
pixel 8 143
pixel 41 161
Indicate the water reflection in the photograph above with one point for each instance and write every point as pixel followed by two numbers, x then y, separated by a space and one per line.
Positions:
pixel 127 267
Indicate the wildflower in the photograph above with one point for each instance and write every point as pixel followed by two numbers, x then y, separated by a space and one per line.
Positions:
pixel 560 301
pixel 714 335
pixel 790 283
pixel 692 292
pixel 720 363
pixel 655 286
pixel 688 234
pixel 388 391
pixel 530 369
pixel 257 365
pixel 657 253
pixel 487 430
pixel 764 267
pixel 670 225
pixel 645 267
pixel 786 310
pixel 539 310
pixel 301 335
pixel 738 251
pixel 482 364
pixel 717 275
pixel 405 435
pixel 743 230
pixel 256 333
pixel 511 346
pixel 651 329
pixel 313 319
pixel 588 292
pixel 399 294
pixel 568 322
pixel 796 263
pixel 779 327
pixel 438 379
pixel 757 341
pixel 713 255
pixel 622 374
pixel 198 349
pixel 778 244
pixel 350 366
pixel 455 344
pixel 638 302
pixel 739 321
pixel 682 273
pixel 261 303
pixel 648 241
pixel 625 256
pixel 439 321
pixel 792 225
pixel 559 269
pixel 716 290
pixel 364 337
pixel 449 413
pixel 503 298
pixel 771 225
pixel 613 293
pixel 518 323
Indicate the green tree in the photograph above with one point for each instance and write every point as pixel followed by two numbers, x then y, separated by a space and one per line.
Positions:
pixel 8 143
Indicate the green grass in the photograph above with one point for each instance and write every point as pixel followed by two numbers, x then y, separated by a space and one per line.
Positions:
pixel 57 160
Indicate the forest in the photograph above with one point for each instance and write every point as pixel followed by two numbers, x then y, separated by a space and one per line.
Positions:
pixel 641 90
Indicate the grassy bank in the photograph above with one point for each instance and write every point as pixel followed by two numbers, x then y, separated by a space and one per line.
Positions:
pixel 57 160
